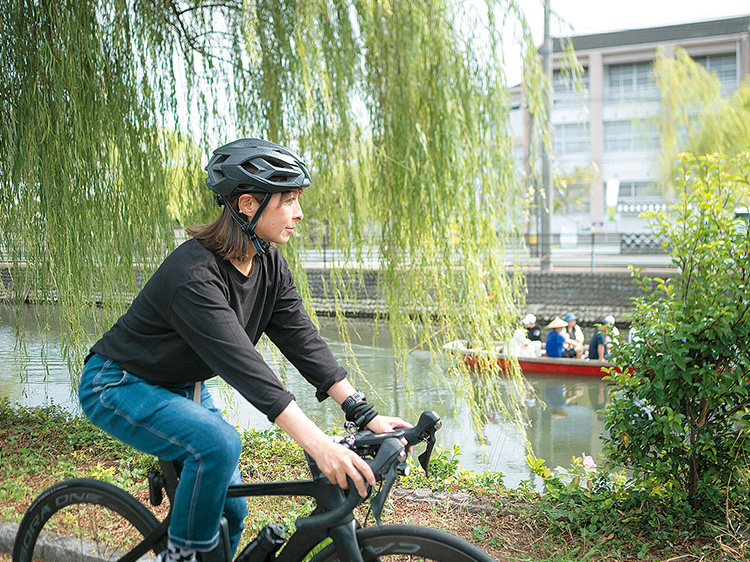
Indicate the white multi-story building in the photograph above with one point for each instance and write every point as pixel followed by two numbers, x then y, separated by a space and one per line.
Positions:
pixel 611 126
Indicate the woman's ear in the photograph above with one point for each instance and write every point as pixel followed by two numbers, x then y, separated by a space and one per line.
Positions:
pixel 246 204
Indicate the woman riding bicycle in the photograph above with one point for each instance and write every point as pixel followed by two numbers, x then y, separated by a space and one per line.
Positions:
pixel 200 315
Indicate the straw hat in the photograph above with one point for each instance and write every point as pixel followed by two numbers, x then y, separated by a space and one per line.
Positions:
pixel 557 323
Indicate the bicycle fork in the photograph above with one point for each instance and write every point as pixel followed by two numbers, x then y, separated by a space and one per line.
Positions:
pixel 345 540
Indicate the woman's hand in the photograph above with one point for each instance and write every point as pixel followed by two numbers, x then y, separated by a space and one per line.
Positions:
pixel 337 463
pixel 386 424
pixel 334 460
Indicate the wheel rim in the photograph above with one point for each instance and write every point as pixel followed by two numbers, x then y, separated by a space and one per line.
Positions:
pixel 86 532
pixel 410 543
pixel 82 524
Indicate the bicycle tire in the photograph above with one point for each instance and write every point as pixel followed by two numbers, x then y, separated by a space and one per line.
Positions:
pixel 83 520
pixel 397 543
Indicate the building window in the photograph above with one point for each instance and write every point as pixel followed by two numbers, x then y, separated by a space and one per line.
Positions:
pixel 627 136
pixel 566 92
pixel 638 192
pixel 571 138
pixel 630 82
pixel 638 196
pixel 725 69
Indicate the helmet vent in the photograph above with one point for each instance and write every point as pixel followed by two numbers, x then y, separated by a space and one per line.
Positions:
pixel 249 168
pixel 216 168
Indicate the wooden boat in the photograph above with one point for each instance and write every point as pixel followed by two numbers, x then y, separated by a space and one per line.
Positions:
pixel 529 365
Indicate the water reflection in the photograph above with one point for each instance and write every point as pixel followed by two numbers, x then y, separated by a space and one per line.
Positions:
pixel 569 427
pixel 32 370
pixel 572 423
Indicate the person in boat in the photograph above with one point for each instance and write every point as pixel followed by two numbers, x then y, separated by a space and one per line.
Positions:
pixel 200 315
pixel 612 330
pixel 599 345
pixel 573 329
pixel 533 330
pixel 522 346
pixel 574 336
pixel 557 343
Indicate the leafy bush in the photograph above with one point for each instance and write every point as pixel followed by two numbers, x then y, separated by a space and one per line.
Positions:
pixel 681 420
pixel 597 503
pixel 447 475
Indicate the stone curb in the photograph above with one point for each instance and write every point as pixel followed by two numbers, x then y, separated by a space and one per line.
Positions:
pixel 7 536
pixel 459 500
pixel 54 548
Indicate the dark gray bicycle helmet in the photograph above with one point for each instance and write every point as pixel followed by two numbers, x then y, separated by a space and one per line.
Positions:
pixel 254 166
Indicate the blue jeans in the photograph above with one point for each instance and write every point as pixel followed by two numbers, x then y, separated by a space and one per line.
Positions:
pixel 166 422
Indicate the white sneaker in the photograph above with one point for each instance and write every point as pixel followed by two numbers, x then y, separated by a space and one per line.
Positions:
pixel 172 556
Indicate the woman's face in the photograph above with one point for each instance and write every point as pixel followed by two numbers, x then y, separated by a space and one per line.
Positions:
pixel 279 218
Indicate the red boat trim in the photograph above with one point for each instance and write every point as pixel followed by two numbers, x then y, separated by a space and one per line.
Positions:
pixel 545 365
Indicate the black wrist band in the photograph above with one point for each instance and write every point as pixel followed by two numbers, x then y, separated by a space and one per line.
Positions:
pixel 358 411
pixel 365 417
pixel 361 414
pixel 352 400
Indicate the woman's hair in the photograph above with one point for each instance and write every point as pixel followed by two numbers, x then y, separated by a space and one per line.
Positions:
pixel 225 237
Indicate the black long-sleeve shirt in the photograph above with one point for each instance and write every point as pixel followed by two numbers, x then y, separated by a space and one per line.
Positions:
pixel 199 316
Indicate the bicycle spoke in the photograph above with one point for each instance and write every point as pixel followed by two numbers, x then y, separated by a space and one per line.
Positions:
pixel 86 532
pixel 83 521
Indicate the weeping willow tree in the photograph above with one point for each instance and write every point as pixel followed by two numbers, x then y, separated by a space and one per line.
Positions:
pixel 726 129
pixel 696 117
pixel 109 110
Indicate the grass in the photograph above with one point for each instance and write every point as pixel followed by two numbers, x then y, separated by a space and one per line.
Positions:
pixel 41 446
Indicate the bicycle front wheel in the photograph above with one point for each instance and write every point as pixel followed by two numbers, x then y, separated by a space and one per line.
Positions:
pixel 83 520
pixel 397 543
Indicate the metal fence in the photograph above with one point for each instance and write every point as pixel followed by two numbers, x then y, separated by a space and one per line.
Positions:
pixel 599 250
pixel 576 251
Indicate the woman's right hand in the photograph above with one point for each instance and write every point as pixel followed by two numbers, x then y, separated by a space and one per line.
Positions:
pixel 334 460
pixel 339 463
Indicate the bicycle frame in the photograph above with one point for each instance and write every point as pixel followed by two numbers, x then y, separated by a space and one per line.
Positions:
pixel 333 516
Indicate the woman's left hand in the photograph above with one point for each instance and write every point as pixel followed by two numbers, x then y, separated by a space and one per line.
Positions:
pixel 386 424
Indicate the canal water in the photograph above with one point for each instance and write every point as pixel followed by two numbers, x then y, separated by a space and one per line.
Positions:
pixel 33 372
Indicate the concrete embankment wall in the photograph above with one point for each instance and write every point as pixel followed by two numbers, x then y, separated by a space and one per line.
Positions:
pixel 589 295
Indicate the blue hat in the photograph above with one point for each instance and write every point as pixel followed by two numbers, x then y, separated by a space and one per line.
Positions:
pixel 570 317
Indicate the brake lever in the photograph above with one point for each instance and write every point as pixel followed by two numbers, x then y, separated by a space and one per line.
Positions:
pixel 378 502
pixel 429 422
pixel 424 458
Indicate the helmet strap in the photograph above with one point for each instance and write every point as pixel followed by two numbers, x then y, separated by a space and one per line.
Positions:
pixel 260 245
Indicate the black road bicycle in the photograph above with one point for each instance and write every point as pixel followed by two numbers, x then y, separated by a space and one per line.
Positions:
pixel 88 520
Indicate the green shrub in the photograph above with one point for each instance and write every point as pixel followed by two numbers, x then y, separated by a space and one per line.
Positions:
pixel 680 420
pixel 596 503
